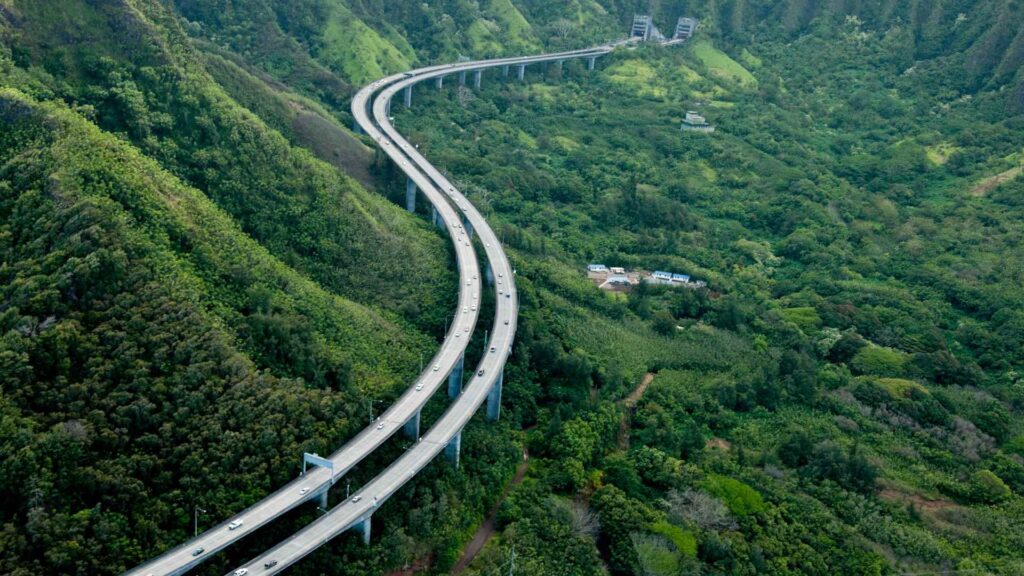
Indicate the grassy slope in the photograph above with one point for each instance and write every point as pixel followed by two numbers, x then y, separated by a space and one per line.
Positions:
pixel 357 51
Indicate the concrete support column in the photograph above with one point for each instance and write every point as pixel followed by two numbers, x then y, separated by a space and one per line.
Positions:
pixel 410 195
pixel 435 218
pixel 494 398
pixel 462 78
pixel 591 62
pixel 408 96
pixel 440 82
pixel 489 275
pixel 478 78
pixel 356 127
pixel 388 107
pixel 522 72
pixel 364 528
pixel 469 227
pixel 455 378
pixel 561 66
pixel 504 71
pixel 322 500
pixel 412 427
pixel 451 451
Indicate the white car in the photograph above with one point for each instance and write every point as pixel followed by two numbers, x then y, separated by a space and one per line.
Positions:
pixel 380 426
pixel 357 498
pixel 304 490
pixel 241 572
pixel 419 387
pixel 493 349
pixel 235 524
pixel 437 367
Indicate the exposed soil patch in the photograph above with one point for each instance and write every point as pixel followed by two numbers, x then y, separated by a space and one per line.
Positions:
pixel 920 502
pixel 988 184
pixel 486 530
pixel 720 443
pixel 630 403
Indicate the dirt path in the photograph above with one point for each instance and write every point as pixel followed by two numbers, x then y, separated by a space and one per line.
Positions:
pixel 630 403
pixel 986 185
pixel 486 530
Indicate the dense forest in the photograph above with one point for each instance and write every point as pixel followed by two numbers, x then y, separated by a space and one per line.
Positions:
pixel 203 277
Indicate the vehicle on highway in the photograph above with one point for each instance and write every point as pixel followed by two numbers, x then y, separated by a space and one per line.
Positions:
pixel 357 498
pixel 235 524
pixel 480 372
pixel 380 426
pixel 240 572
pixel 304 490
pixel 270 564
pixel 198 551
pixel 419 387
pixel 493 349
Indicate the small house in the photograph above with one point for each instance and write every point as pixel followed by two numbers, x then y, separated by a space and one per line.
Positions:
pixel 694 122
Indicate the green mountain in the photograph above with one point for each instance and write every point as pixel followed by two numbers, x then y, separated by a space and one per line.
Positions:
pixel 202 275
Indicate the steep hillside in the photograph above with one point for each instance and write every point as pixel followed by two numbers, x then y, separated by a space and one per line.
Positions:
pixel 152 88
pixel 144 338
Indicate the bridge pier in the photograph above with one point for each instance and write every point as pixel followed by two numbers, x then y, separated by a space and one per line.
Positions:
pixel 462 78
pixel 522 72
pixel 469 227
pixel 455 378
pixel 439 82
pixel 408 96
pixel 410 195
pixel 494 398
pixel 356 127
pixel 435 219
pixel 489 275
pixel 504 71
pixel 591 62
pixel 561 66
pixel 412 427
pixel 451 451
pixel 322 500
pixel 364 528
pixel 478 78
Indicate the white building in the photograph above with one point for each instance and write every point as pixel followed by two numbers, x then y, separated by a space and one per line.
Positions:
pixel 694 122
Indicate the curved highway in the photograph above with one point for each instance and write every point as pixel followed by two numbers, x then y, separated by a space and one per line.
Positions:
pixel 317 480
pixel 358 509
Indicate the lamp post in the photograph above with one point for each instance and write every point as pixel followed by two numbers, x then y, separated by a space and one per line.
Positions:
pixel 195 519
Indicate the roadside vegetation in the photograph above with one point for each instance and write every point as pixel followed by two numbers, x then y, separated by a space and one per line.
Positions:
pixel 201 277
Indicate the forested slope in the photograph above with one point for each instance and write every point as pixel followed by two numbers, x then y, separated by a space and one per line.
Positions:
pixel 195 290
pixel 136 320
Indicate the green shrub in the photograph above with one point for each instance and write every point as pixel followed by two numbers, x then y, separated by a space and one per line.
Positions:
pixel 741 499
pixel 878 361
pixel 683 540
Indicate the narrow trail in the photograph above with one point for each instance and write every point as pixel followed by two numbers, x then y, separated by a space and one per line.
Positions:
pixel 486 530
pixel 630 403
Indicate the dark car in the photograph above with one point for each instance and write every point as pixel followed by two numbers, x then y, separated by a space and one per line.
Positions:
pixel 270 564
pixel 198 551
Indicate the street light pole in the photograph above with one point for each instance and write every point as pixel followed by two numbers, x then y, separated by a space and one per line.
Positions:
pixel 195 519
